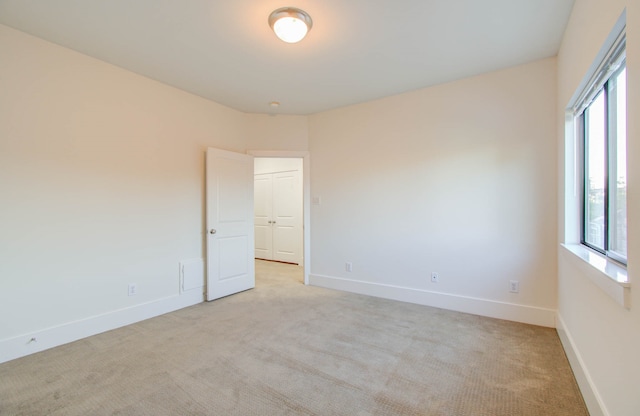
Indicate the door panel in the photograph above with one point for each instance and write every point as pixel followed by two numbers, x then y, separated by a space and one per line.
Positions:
pixel 285 247
pixel 230 266
pixel 287 212
pixel 262 216
pixel 233 250
pixel 264 243
pixel 233 199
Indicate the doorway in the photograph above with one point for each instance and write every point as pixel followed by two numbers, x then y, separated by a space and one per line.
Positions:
pixel 297 157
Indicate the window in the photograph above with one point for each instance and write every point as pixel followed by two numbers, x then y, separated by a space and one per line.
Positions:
pixel 595 165
pixel 602 136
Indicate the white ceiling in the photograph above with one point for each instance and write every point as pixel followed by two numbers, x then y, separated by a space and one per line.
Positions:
pixel 357 50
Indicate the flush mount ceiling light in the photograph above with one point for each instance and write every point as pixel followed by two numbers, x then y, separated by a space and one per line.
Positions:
pixel 290 24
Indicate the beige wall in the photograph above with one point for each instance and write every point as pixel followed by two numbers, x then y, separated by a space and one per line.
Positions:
pixel 102 185
pixel 601 337
pixel 277 132
pixel 459 179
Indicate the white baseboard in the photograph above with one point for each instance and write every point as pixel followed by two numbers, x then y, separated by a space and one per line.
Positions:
pixel 592 398
pixel 37 341
pixel 484 307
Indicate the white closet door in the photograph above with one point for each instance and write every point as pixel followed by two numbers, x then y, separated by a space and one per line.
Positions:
pixel 287 217
pixel 263 212
pixel 278 216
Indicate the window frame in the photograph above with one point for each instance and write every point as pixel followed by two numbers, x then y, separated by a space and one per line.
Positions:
pixel 610 68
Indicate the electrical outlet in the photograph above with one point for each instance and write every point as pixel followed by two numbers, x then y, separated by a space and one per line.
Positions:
pixel 133 289
pixel 348 266
pixel 435 277
pixel 514 286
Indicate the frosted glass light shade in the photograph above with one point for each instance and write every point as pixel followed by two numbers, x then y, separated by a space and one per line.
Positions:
pixel 290 29
pixel 290 24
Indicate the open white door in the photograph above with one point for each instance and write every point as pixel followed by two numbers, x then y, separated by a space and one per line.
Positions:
pixel 230 240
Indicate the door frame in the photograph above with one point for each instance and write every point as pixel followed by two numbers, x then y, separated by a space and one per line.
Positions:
pixel 306 199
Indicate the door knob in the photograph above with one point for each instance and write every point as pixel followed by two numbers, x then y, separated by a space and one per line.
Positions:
pixel 213 231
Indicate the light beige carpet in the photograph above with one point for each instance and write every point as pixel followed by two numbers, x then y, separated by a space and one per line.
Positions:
pixel 288 349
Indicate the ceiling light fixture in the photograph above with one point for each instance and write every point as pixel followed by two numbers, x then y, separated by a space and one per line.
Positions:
pixel 290 24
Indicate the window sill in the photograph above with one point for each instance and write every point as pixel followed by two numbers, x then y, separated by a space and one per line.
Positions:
pixel 607 275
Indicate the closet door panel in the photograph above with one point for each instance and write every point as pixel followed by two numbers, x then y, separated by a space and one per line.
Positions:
pixel 263 212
